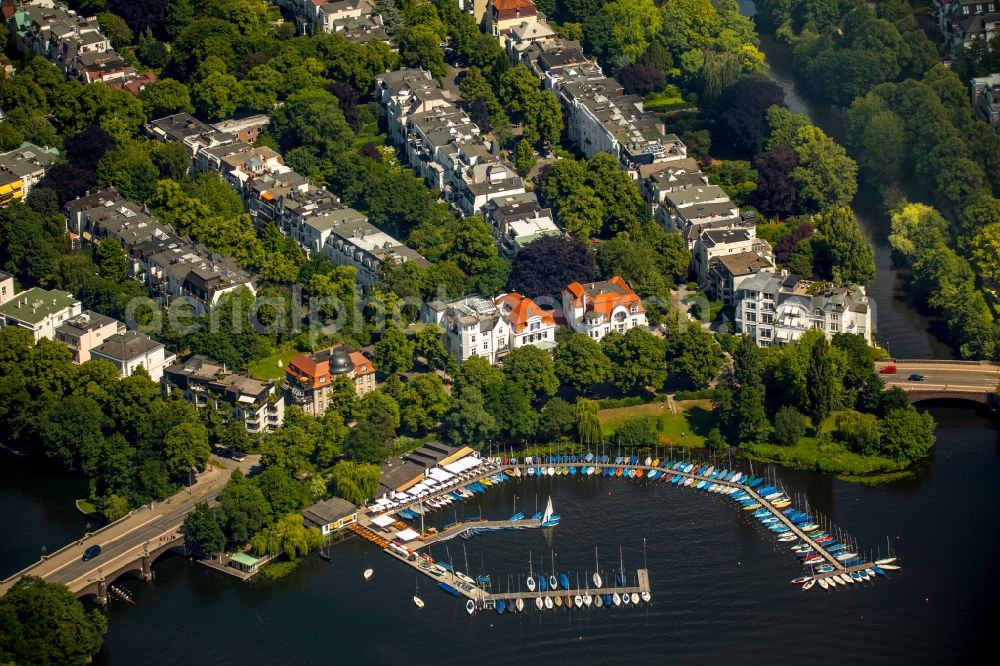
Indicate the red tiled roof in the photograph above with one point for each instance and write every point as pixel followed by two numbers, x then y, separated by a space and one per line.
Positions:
pixel 522 309
pixel 302 366
pixel 362 366
pixel 605 301
pixel 509 5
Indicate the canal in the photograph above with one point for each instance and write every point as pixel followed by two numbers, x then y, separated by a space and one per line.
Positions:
pixel 901 328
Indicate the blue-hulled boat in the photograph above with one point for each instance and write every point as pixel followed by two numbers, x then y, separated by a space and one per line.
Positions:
pixel 607 600
pixel 537 516
pixel 756 481
pixel 501 606
pixel 564 581
pixel 448 588
pixel 517 516
pixel 652 474
pixel 572 471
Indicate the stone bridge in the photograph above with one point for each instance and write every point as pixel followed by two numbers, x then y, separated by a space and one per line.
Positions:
pixel 927 379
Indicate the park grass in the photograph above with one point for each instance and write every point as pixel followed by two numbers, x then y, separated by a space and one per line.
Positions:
pixel 267 368
pixel 667 100
pixel 687 428
pixel 829 458
pixel 86 507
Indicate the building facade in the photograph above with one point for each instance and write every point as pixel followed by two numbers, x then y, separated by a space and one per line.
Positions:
pixel 130 350
pixel 309 378
pixel 598 308
pixel 39 311
pixel 86 331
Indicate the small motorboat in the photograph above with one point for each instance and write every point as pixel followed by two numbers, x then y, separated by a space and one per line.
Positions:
pixel 822 583
pixel 832 581
pixel 519 605
pixel 626 599
pixel 470 606
pixel 635 597
pixel 617 599
pixel 578 601
pixel 808 585
pixel 870 572
pixel 890 567
pixel 548 603
pixel 885 560
pixel 531 584
pixel 558 601
pixel 418 602
pixel 539 603
pixel 801 579
pixel 568 603
pixel 553 582
pixel 646 596
pixel 588 600
pixel 367 575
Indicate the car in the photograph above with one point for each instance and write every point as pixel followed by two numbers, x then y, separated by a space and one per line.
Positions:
pixel 238 457
pixel 915 378
pixel 91 552
pixel 888 370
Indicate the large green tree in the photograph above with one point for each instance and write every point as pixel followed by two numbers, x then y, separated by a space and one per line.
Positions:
pixel 581 363
pixel 533 370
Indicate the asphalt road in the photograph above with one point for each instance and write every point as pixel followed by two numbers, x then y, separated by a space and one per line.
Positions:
pixel 979 378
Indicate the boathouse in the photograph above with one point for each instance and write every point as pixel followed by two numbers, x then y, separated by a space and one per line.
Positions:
pixel 331 515
pixel 403 472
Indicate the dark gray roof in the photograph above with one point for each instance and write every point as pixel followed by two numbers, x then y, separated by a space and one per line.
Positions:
pixel 328 511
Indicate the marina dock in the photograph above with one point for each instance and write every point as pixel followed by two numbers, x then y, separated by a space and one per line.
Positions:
pixel 743 488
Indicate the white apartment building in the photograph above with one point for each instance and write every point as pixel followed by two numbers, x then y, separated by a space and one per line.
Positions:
pixel 779 308
pixel 86 331
pixel 131 350
pixel 39 311
pixel 518 220
pixel 714 243
pixel 598 308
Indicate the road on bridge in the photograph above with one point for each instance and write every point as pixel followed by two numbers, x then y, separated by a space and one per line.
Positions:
pixel 971 377
pixel 126 539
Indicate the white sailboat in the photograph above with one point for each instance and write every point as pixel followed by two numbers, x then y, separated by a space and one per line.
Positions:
pixel 597 576
pixel 531 575
pixel 417 601
pixel 368 574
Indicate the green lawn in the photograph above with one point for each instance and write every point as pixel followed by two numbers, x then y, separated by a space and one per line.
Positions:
pixel 267 368
pixel 688 427
pixel 669 99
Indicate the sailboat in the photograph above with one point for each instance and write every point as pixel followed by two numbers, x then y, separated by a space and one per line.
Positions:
pixel 470 606
pixel 553 581
pixel 597 576
pixel 416 598
pixel 531 575
pixel 549 519
pixel 367 575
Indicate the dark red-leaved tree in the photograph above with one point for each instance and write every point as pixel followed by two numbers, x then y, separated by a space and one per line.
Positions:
pixel 545 267
pixel 776 193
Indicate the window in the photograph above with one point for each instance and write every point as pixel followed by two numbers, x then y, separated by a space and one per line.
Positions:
pixel 765 333
pixel 322 379
pixel 750 306
pixel 767 318
pixel 473 338
pixel 750 316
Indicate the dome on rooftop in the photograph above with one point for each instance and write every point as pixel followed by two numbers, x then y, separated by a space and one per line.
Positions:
pixel 340 362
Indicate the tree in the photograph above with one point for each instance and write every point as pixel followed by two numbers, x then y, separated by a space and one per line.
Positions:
pixel 43 623
pixel 859 433
pixel 641 79
pixel 468 423
pixel 423 403
pixel 714 441
pixel 418 47
pixel 634 23
pixel 557 420
pixel 203 532
pixel 289 536
pixel 71 433
pixel 637 359
pixel 741 112
pixel 851 256
pixel 636 262
pixel 693 357
pixel 186 448
pixel 533 370
pixel 825 175
pixel 364 444
pixel 789 426
pixel 641 431
pixel 524 158
pixel 588 424
pixel 543 121
pixel 907 434
pixel 510 405
pixel 114 507
pixel 165 97
pixel 393 352
pixel 379 409
pixel 986 250
pixel 429 344
pixel 777 192
pixel 312 118
pixel 112 262
pixel 130 170
pixel 546 266
pixel 580 362
pixel 355 482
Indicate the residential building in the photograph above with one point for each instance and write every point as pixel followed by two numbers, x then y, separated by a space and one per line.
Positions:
pixel 475 7
pixel 528 323
pixel 7 287
pixel 73 43
pixel 168 265
pixel 309 377
pixel 39 311
pixel 86 331
pixel 206 383
pixel 131 350
pixel 504 15
pixel 357 20
pixel 190 131
pixel 406 92
pixel 713 243
pixel 21 169
pixel 246 130
pixel 353 241
pixel 727 272
pixel 696 204
pixel 473 326
pixel 779 308
pixel 963 22
pixel 331 515
pixel 518 220
pixel 986 99
pixel 598 308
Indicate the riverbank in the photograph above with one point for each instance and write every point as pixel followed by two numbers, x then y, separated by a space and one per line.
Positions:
pixel 812 455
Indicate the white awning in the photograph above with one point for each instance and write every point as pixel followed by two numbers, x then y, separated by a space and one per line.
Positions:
pixel 463 464
pixel 384 520
pixel 439 474
pixel 407 535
